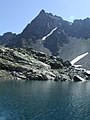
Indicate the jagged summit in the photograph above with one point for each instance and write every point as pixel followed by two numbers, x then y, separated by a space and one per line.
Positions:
pixel 42 12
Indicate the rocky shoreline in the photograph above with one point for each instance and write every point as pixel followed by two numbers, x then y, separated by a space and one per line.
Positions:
pixel 28 64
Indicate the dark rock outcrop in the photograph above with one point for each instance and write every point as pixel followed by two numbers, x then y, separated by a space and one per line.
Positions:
pixel 76 79
pixel 67 63
pixel 56 65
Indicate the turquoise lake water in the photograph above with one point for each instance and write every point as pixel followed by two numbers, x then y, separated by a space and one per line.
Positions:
pixel 44 100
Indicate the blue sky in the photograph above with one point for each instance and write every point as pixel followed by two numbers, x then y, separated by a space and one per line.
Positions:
pixel 16 14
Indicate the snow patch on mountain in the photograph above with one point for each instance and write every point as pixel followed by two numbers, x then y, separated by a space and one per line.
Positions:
pixel 49 34
pixel 78 58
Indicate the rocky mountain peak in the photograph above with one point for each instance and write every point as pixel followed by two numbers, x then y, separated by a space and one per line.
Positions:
pixel 42 12
pixel 45 24
pixel 41 25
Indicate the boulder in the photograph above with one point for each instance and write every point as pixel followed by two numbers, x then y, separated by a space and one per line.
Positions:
pixel 57 78
pixel 67 63
pixel 78 78
pixel 41 54
pixel 56 65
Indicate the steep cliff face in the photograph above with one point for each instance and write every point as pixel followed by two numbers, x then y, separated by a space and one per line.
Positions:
pixel 56 41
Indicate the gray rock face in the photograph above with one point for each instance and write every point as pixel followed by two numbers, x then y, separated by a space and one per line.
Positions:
pixel 22 64
pixel 27 64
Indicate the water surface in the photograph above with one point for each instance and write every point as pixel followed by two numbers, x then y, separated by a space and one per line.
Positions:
pixel 44 100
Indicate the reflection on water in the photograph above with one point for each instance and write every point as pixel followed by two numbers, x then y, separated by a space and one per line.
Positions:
pixel 44 100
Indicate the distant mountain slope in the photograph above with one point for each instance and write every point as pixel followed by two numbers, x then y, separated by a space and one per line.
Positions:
pixel 6 38
pixel 80 28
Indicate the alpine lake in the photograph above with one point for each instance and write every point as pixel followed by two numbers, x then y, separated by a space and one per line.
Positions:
pixel 44 100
